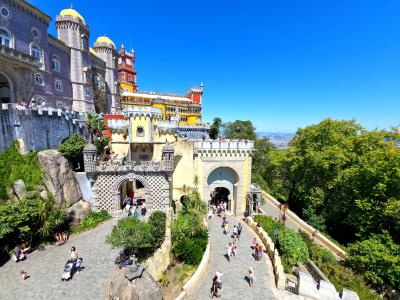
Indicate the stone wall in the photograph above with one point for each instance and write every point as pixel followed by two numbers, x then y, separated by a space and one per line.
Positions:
pixel 37 128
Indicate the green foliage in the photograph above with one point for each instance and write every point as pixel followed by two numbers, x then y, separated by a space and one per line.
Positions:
pixel 138 237
pixel 96 127
pixel 14 166
pixel 164 281
pixel 378 259
pixel 239 130
pixel 215 128
pixel 158 221
pixel 29 219
pixel 91 221
pixel 189 234
pixel 72 149
pixel 338 274
pixel 289 243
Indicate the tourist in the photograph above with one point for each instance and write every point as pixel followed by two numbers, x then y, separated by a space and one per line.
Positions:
pixel 250 277
pixel 26 248
pixel 259 253
pixel 18 254
pixel 24 275
pixel 229 252
pixel 226 227
pixel 73 254
pixel 234 232
pixel 254 243
pixel 136 213
pixel 234 248
pixel 239 230
pixel 258 224
pixel 144 210
pixel 65 236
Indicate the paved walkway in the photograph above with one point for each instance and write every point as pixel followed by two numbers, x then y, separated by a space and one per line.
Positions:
pixel 233 282
pixel 46 268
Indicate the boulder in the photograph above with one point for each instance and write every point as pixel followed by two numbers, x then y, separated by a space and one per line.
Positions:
pixel 144 287
pixel 19 188
pixel 78 211
pixel 59 178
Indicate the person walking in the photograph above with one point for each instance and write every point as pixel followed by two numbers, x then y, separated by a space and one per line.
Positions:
pixel 250 277
pixel 239 230
pixel 234 248
pixel 226 227
pixel 234 232
pixel 229 252
pixel 144 209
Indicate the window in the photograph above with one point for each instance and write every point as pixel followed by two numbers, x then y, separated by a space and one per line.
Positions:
pixel 144 157
pixel 140 131
pixel 5 38
pixel 35 32
pixel 88 77
pixel 36 53
pixel 39 79
pixel 130 77
pixel 55 63
pixel 58 85
pixel 126 90
pixel 87 92
pixel 4 12
pixel 60 105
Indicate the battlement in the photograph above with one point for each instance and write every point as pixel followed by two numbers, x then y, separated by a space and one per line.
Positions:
pixel 77 118
pixel 224 146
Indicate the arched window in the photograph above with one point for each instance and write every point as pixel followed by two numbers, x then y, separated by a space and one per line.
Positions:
pixel 60 105
pixel 55 63
pixel 36 53
pixel 5 38
pixel 39 79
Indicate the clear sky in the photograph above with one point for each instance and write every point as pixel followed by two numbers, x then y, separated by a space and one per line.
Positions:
pixel 282 64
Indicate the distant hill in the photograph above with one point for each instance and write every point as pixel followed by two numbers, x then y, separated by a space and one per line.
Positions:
pixel 279 139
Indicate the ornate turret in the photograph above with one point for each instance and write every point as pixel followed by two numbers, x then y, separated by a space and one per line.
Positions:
pixel 89 157
pixel 167 158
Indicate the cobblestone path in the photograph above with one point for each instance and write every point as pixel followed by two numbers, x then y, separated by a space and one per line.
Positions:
pixel 233 282
pixel 46 268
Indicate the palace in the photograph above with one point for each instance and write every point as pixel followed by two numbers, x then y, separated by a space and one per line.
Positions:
pixel 159 141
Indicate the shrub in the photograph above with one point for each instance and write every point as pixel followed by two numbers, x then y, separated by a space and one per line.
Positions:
pixel 290 244
pixel 92 220
pixel 136 236
pixel 72 149
pixel 158 221
pixel 14 166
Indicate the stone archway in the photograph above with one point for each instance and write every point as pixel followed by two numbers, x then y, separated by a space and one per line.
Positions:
pixel 223 178
pixel 6 89
pixel 131 177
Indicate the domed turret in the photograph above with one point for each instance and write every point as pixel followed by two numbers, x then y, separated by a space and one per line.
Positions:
pixel 105 40
pixel 72 13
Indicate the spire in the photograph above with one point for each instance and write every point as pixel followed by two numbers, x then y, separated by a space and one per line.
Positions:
pixel 122 46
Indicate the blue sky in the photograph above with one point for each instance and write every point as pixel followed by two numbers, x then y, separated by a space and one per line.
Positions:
pixel 282 64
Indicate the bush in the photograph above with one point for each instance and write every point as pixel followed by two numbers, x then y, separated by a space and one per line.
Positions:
pixel 72 149
pixel 138 237
pixel 14 166
pixel 340 276
pixel 158 221
pixel 289 243
pixel 91 221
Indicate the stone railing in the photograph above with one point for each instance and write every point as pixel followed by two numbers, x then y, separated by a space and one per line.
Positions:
pixel 301 225
pixel 315 272
pixel 19 56
pixel 146 111
pixel 224 145
pixel 280 277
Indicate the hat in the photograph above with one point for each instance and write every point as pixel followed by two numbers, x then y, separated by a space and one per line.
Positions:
pixel 251 270
pixel 219 274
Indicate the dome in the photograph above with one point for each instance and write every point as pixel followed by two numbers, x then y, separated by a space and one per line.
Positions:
pixel 73 13
pixel 90 148
pixel 105 40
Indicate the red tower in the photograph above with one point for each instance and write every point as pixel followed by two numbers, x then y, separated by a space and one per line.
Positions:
pixel 196 93
pixel 126 72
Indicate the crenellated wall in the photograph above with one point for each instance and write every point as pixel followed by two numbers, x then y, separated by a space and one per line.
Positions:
pixel 38 128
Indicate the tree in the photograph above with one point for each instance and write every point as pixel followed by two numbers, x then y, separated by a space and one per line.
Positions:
pixel 96 127
pixel 215 128
pixel 240 130
pixel 377 258
pixel 72 149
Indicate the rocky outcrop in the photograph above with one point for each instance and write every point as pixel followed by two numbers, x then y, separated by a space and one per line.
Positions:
pixel 59 178
pixel 144 287
pixel 78 211
pixel 19 188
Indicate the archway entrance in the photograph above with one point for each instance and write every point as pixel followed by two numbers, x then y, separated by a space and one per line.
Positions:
pixel 221 196
pixel 222 188
pixel 5 91
pixel 132 191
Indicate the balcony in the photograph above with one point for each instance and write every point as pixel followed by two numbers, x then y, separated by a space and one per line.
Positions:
pixel 10 54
